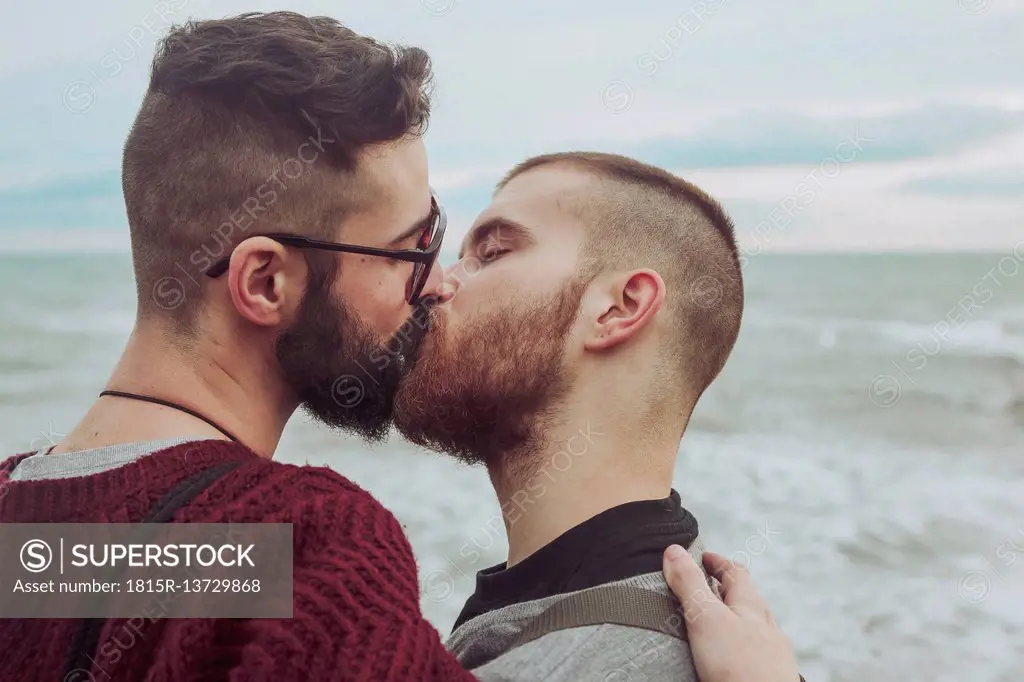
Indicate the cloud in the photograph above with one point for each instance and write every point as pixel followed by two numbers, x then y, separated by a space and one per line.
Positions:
pixel 841 197
pixel 743 97
pixel 762 138
pixel 61 240
pixel 866 172
pixel 76 203
pixel 1005 184
pixel 773 139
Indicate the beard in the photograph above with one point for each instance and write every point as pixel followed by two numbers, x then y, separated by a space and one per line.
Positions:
pixel 342 374
pixel 483 394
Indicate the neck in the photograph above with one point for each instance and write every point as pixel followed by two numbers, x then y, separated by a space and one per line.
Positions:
pixel 247 403
pixel 585 467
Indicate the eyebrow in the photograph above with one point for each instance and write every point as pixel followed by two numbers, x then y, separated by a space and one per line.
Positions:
pixel 418 227
pixel 488 227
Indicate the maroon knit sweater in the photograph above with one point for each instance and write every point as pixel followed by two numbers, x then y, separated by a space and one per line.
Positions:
pixel 357 604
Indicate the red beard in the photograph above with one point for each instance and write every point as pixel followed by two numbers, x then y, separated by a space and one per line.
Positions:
pixel 480 393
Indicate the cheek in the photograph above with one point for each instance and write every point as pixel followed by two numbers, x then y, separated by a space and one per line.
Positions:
pixel 376 292
pixel 479 289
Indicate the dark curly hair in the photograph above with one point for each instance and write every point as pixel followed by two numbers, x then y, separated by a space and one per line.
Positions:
pixel 256 119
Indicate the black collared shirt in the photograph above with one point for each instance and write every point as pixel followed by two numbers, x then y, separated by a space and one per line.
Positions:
pixel 622 542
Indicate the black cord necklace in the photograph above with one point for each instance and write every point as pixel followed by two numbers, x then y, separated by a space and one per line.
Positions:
pixel 167 403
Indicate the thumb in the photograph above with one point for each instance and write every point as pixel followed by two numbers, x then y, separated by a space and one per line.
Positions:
pixel 690 585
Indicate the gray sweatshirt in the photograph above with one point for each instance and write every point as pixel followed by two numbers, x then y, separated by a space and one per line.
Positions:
pixel 598 653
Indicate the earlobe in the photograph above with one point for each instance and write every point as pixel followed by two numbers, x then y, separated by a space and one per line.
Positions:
pixel 627 306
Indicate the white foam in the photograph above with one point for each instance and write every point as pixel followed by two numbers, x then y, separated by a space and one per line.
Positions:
pixel 113 322
pixel 1001 336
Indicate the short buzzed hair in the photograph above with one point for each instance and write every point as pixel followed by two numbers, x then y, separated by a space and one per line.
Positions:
pixel 642 216
pixel 256 121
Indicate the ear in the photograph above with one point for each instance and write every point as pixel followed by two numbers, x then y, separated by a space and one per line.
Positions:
pixel 266 281
pixel 626 303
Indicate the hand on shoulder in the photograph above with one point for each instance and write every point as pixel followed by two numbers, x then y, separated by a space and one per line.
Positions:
pixel 735 638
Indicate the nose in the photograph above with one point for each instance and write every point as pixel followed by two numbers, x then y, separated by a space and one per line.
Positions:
pixel 439 284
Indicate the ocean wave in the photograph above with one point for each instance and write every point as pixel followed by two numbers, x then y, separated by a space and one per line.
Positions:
pixel 1001 336
pixel 112 322
pixel 985 340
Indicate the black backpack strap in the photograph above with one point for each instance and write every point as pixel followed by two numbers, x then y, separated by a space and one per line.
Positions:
pixel 182 494
pixel 614 604
pixel 617 604
pixel 633 607
pixel 88 633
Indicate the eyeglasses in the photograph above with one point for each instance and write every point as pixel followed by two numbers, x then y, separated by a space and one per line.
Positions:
pixel 423 256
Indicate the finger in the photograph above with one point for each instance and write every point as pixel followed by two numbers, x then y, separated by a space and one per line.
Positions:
pixel 689 585
pixel 737 586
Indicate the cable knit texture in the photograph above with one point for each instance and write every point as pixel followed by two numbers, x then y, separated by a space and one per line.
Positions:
pixel 356 595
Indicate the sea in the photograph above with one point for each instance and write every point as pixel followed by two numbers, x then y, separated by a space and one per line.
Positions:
pixel 862 452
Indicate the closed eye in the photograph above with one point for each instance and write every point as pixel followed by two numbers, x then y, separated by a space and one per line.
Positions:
pixel 492 255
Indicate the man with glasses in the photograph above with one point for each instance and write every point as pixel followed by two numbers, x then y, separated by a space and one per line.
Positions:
pixel 428 234
pixel 275 182
pixel 284 154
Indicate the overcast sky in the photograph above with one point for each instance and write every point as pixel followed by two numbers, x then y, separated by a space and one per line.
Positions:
pixel 819 123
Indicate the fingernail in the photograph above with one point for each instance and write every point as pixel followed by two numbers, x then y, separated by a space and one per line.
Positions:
pixel 675 552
